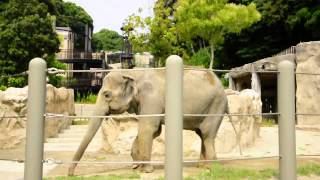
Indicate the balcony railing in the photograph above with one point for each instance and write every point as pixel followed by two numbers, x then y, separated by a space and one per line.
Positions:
pixel 75 55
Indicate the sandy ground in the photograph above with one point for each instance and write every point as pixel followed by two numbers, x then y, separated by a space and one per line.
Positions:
pixel 267 145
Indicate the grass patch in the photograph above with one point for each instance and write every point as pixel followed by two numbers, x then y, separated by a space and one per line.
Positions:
pixel 220 172
pixel 217 171
pixel 109 177
pixel 268 122
pixel 89 98
pixel 309 169
pixel 80 122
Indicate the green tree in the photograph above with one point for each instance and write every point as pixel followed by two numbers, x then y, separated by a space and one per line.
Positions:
pixel 156 34
pixel 71 15
pixel 106 40
pixel 25 32
pixel 284 23
pixel 137 28
pixel 212 20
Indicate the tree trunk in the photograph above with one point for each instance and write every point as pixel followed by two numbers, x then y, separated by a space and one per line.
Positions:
pixel 212 55
pixel 192 48
pixel 200 44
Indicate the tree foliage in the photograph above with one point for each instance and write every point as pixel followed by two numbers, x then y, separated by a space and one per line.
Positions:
pixel 25 32
pixel 71 15
pixel 137 28
pixel 156 34
pixel 177 28
pixel 106 40
pixel 284 23
pixel 212 20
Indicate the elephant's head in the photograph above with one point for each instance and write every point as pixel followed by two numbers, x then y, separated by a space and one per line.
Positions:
pixel 117 93
pixel 115 97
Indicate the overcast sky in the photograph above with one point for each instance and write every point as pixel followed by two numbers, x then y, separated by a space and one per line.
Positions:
pixel 110 14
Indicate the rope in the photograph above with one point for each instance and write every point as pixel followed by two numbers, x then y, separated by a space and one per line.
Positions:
pixel 13 160
pixel 308 114
pixel 306 73
pixel 232 70
pixel 158 162
pixel 52 115
pixel 57 71
pixel 214 115
pixel 25 73
pixel 12 117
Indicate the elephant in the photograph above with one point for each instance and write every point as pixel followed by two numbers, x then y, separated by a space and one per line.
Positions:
pixel 144 93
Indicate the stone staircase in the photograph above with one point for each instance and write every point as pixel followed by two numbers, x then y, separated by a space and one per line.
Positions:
pixel 70 139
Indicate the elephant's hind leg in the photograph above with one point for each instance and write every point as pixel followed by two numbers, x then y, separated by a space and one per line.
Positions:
pixel 209 129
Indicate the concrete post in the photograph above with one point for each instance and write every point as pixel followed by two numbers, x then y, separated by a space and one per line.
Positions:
pixel 35 119
pixel 173 118
pixel 286 108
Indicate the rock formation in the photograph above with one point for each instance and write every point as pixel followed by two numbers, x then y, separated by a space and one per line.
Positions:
pixel 13 102
pixel 308 86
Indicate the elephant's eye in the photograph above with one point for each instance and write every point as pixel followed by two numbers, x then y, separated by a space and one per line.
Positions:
pixel 107 94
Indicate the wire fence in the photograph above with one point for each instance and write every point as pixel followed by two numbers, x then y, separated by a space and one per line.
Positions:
pixel 52 116
pixel 157 162
pixel 55 71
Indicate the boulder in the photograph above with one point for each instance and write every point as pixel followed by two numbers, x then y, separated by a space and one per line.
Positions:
pixel 118 135
pixel 308 86
pixel 246 127
pixel 13 102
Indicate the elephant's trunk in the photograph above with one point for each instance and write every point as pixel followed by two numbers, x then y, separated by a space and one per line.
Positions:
pixel 93 127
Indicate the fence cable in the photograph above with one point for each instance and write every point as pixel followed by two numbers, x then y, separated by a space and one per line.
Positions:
pixel 53 115
pixel 158 162
pixel 306 73
pixel 25 73
pixel 62 71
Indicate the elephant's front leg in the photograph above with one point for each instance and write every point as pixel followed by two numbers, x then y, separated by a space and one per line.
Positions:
pixel 142 147
pixel 135 152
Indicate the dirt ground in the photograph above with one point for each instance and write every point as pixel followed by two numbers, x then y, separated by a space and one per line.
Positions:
pixel 267 145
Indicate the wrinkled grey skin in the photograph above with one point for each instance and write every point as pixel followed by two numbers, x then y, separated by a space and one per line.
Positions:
pixel 144 93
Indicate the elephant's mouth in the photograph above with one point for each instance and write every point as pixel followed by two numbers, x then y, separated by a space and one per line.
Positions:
pixel 115 111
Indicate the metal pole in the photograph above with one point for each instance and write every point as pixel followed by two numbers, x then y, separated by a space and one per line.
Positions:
pixel 286 108
pixel 35 119
pixel 173 118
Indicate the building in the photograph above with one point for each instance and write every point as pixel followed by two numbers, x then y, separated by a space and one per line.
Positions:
pixel 66 38
pixel 80 59
pixel 306 57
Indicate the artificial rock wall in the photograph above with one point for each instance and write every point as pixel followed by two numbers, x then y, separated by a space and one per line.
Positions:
pixel 308 86
pixel 13 102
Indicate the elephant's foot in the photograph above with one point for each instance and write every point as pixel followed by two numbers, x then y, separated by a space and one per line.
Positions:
pixel 145 168
pixel 204 165
pixel 71 170
pixel 135 166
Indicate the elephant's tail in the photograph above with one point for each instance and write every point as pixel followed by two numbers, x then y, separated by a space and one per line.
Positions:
pixel 238 137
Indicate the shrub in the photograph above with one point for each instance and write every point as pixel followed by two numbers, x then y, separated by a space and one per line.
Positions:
pixel 200 58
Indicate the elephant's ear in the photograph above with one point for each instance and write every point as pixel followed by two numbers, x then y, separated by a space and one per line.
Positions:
pixel 130 88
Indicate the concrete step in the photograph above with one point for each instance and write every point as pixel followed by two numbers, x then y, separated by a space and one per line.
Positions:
pixel 71 148
pixel 74 127
pixel 74 144
pixel 78 135
pixel 71 140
